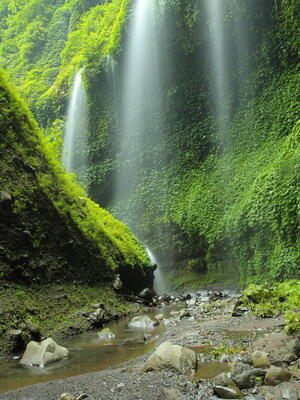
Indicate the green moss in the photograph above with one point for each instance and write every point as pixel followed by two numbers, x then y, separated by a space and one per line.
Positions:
pixel 56 309
pixel 267 301
pixel 41 182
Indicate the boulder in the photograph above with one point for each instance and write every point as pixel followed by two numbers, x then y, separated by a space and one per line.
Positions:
pixel 172 356
pixel 43 353
pixel 260 359
pixel 276 375
pixel 106 334
pixel 142 321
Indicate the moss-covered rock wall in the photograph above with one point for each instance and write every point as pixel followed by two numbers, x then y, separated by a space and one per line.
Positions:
pixel 50 230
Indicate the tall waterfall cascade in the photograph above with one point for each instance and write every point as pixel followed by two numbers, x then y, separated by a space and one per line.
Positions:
pixel 74 155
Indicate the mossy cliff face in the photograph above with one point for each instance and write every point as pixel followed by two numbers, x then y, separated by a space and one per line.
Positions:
pixel 49 230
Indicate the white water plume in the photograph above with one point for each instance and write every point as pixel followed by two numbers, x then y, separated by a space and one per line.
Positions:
pixel 74 155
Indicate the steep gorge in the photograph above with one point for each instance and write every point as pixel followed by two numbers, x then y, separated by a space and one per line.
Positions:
pixel 213 210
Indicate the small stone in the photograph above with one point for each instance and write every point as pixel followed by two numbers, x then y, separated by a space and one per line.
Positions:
pixel 159 317
pixel 276 375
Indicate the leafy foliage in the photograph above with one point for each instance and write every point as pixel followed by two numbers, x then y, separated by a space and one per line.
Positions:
pixel 267 301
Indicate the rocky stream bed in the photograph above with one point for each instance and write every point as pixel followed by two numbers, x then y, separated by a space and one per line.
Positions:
pixel 238 356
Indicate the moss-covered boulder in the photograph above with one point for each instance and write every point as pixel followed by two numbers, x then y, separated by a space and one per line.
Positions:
pixel 49 230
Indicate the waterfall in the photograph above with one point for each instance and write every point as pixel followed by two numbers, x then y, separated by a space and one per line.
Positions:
pixel 74 155
pixel 140 124
pixel 214 11
pixel 159 284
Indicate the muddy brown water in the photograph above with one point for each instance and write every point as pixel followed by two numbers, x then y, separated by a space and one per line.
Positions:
pixel 87 354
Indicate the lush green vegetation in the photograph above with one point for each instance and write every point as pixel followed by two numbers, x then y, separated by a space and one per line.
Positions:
pixel 38 184
pixel 268 301
pixel 42 56
pixel 211 216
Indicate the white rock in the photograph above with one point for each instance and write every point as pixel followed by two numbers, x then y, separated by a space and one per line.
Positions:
pixel 43 353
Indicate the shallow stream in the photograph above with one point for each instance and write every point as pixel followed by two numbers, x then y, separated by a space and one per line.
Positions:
pixel 87 353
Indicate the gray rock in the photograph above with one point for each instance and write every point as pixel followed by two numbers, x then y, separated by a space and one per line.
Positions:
pixel 43 353
pixel 276 375
pixel 143 322
pixel 172 356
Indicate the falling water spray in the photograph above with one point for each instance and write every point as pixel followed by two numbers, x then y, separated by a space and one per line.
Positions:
pixel 74 155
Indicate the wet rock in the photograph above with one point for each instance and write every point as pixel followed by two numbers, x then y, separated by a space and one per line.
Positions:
pixel 260 359
pixel 43 353
pixel 82 396
pixel 142 321
pixel 117 285
pixel 225 388
pixel 172 356
pixel 106 334
pixel 276 375
pixel 147 294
